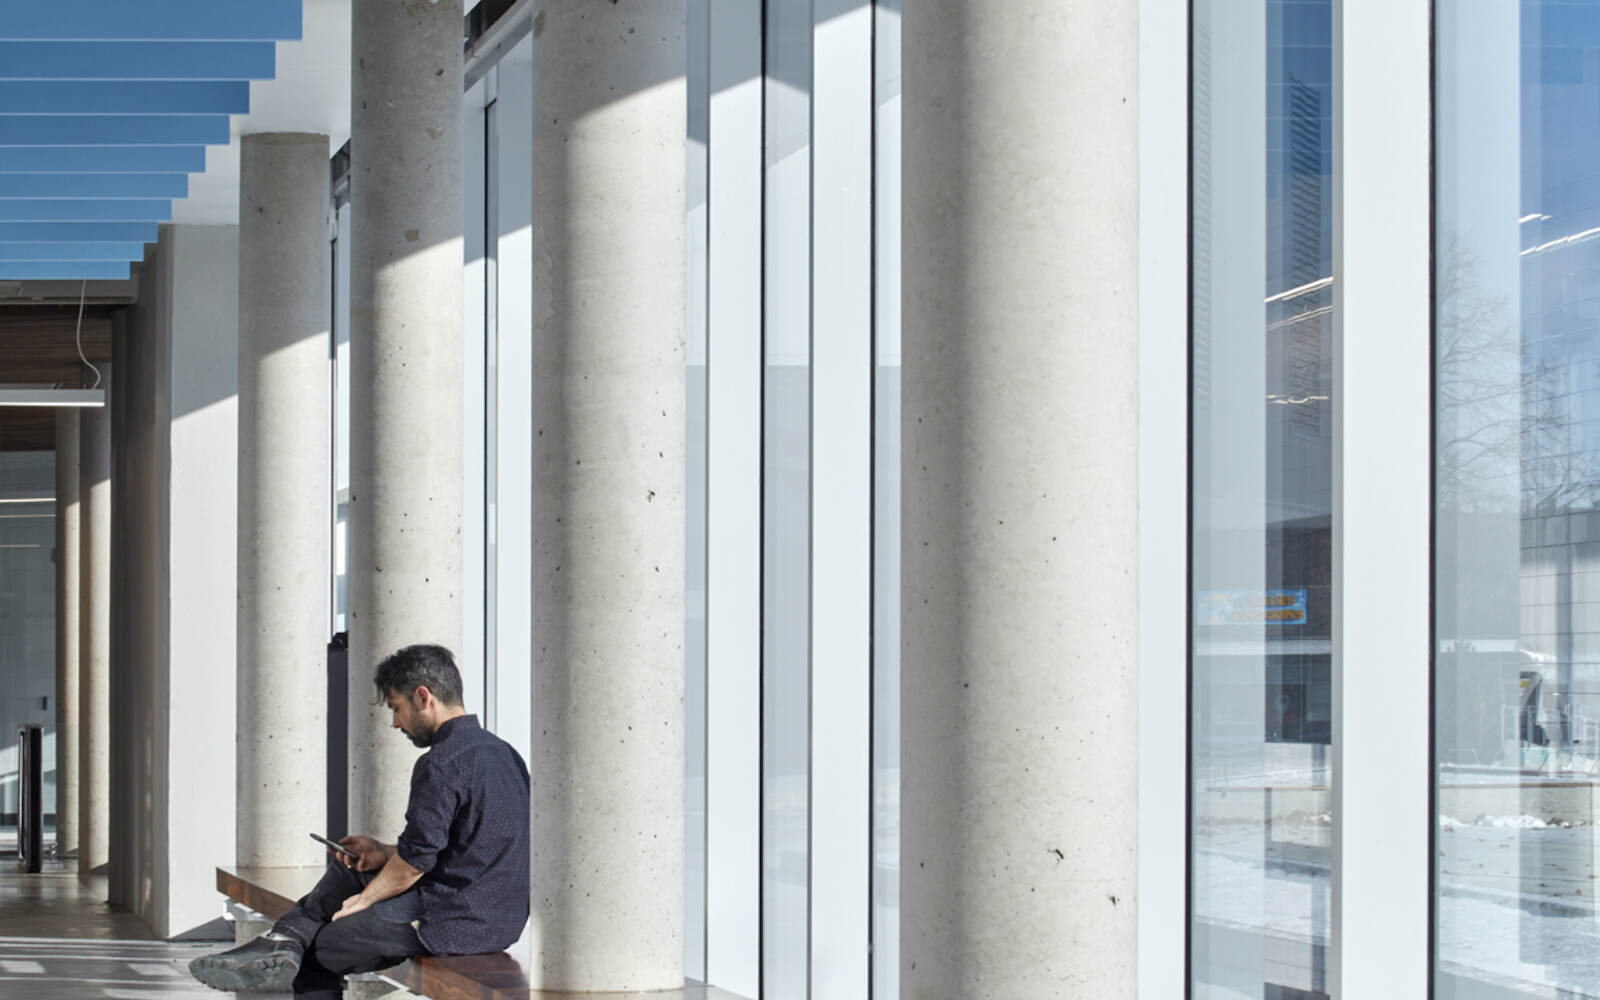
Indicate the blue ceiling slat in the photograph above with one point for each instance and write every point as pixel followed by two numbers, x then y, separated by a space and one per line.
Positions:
pixel 71 251
pixel 153 20
pixel 113 130
pixel 101 210
pixel 94 185
pixel 103 159
pixel 122 97
pixel 78 232
pixel 137 60
pixel 63 270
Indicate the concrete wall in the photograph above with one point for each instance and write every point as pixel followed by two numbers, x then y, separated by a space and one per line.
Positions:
pixel 175 649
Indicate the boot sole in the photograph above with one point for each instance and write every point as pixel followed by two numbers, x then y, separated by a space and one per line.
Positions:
pixel 269 974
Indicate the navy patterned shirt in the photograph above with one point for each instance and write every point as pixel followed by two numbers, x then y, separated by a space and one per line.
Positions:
pixel 467 832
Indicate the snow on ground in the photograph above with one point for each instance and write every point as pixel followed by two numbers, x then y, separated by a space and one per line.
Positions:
pixel 1515 908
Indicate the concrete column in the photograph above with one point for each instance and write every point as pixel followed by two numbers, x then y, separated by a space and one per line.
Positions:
pixel 608 474
pixel 1019 600
pixel 284 416
pixel 67 600
pixel 94 635
pixel 405 343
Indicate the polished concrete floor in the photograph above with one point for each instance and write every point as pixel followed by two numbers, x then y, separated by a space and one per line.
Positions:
pixel 60 941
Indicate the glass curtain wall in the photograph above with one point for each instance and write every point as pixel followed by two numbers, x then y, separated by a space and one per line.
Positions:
pixel 27 628
pixel 793 374
pixel 1517 493
pixel 1261 440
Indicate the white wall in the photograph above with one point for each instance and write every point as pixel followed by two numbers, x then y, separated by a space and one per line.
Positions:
pixel 178 445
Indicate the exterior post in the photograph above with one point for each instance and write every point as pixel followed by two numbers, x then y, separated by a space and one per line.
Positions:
pixel 1020 476
pixel 284 415
pixel 608 469
pixel 405 341
pixel 94 635
pixel 67 606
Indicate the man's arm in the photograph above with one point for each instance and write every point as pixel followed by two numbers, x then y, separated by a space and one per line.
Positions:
pixel 395 877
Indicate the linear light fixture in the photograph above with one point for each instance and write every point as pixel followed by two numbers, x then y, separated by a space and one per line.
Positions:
pixel 27 499
pixel 52 397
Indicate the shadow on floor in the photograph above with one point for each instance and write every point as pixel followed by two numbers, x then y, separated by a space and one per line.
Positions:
pixel 60 941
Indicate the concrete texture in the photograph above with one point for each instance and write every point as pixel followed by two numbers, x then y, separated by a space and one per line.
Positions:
pixel 284 416
pixel 67 607
pixel 176 440
pixel 1019 603
pixel 405 343
pixel 94 635
pixel 608 564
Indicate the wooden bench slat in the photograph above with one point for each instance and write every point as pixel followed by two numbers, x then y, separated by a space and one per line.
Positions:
pixel 271 892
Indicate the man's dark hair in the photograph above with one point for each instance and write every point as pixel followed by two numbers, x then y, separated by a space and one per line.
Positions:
pixel 432 667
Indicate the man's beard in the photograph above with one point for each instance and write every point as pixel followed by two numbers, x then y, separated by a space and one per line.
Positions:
pixel 420 739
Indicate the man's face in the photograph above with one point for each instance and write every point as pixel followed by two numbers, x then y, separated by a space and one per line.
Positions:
pixel 411 716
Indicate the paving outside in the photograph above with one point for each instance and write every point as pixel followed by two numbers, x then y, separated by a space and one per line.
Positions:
pixel 1516 898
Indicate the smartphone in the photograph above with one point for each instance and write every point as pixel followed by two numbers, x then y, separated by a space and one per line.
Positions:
pixel 336 846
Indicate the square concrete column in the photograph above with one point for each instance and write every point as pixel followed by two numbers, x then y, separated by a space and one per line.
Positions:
pixel 284 419
pixel 94 634
pixel 67 606
pixel 405 353
pixel 1019 541
pixel 608 467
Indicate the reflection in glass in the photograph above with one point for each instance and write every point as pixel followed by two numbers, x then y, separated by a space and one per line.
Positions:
pixel 786 517
pixel 1262 454
pixel 1517 536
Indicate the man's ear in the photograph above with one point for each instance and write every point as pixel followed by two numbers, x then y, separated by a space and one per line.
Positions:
pixel 422 697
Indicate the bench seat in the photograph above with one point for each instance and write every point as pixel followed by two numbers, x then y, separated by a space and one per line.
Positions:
pixel 273 891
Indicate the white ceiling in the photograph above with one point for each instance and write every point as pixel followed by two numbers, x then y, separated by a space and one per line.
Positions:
pixel 310 93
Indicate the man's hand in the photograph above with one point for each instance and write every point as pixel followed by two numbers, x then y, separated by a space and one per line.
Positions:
pixel 370 854
pixel 355 904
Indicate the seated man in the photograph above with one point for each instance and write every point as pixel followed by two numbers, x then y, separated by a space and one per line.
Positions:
pixel 455 883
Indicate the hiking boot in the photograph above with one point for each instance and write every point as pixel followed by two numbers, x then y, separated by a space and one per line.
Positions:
pixel 265 965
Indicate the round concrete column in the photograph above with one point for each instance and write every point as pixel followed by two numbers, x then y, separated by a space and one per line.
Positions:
pixel 284 416
pixel 67 600
pixel 94 634
pixel 405 348
pixel 1020 535
pixel 608 398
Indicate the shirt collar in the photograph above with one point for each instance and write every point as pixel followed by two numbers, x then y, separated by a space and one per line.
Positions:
pixel 451 725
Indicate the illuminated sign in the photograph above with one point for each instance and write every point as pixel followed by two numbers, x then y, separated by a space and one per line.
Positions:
pixel 1250 607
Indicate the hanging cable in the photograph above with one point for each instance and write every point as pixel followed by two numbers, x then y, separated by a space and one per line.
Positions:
pixel 83 295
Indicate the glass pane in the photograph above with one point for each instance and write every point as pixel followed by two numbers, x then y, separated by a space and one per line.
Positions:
pixel 886 515
pixel 786 516
pixel 1517 535
pixel 340 592
pixel 695 502
pixel 1262 454
pixel 27 629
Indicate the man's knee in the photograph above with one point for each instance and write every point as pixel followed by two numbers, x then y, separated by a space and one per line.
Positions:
pixel 340 948
pixel 362 943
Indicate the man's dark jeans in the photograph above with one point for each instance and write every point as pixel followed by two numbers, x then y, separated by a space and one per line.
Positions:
pixel 363 942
